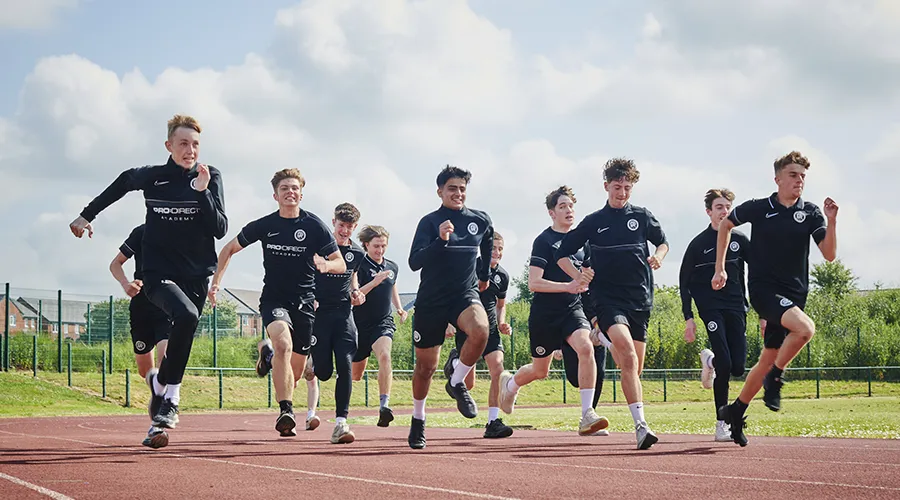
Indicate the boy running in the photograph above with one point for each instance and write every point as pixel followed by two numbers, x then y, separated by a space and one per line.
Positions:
pixel 623 291
pixel 724 312
pixel 446 248
pixel 185 215
pixel 778 277
pixel 374 319
pixel 296 244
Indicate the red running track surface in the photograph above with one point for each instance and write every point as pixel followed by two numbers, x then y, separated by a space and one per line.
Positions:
pixel 234 455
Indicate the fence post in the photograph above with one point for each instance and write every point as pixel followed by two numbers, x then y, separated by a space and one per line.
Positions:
pixel 69 362
pixel 220 389
pixel 564 389
pixel 5 363
pixel 34 355
pixel 366 379
pixel 869 376
pixel 512 341
pixel 40 315
pixel 270 388
pixel 215 333
pixel 127 388
pixel 665 386
pixel 111 332
pixel 59 329
pixel 89 324
pixel 613 373
pixel 818 377
pixel 809 353
pixel 858 350
pixel 103 372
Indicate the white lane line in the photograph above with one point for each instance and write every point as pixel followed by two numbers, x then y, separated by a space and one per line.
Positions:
pixel 352 478
pixel 55 495
pixel 311 473
pixel 683 474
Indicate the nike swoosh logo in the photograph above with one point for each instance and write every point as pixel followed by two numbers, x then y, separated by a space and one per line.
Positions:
pixel 272 234
pixel 601 230
pixel 708 250
pixel 769 216
pixel 160 183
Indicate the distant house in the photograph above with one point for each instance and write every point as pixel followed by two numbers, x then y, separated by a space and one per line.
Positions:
pixel 46 312
pixel 19 317
pixel 408 300
pixel 249 319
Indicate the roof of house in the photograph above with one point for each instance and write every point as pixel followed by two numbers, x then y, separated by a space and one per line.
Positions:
pixel 74 312
pixel 408 300
pixel 247 300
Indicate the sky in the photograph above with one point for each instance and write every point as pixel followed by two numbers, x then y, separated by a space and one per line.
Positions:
pixel 371 98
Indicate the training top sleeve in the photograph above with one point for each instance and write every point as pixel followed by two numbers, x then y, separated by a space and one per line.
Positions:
pixel 576 238
pixel 324 239
pixel 503 286
pixel 132 244
pixel 426 244
pixel 818 226
pixel 487 248
pixel 655 232
pixel 748 211
pixel 541 253
pixel 684 281
pixel 129 180
pixel 212 205
pixel 250 234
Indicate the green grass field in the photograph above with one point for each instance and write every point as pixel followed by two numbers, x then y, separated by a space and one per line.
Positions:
pixel 845 412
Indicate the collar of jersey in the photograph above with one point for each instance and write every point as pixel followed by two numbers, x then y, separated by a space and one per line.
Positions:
pixel 624 209
pixel 774 203
pixel 171 164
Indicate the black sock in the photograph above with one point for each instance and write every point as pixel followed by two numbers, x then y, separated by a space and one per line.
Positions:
pixel 286 406
pixel 741 406
pixel 775 373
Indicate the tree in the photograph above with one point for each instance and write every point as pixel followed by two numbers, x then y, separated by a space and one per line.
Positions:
pixel 833 278
pixel 521 284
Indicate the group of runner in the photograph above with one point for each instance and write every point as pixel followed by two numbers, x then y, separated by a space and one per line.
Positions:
pixel 333 299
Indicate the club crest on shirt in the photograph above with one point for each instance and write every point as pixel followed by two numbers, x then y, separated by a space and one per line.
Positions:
pixel 633 224
pixel 799 216
pixel 349 257
pixel 712 326
pixel 473 228
pixel 734 246
pixel 497 279
pixel 299 235
pixel 390 274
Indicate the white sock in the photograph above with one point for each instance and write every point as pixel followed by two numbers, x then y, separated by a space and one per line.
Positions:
pixel 310 414
pixel 312 395
pixel 512 385
pixel 339 420
pixel 419 409
pixel 173 393
pixel 459 373
pixel 158 388
pixel 493 413
pixel 454 363
pixel 587 400
pixel 604 341
pixel 637 412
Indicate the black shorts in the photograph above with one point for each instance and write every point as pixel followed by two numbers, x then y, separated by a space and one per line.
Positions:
pixel 369 335
pixel 430 322
pixel 771 306
pixel 333 324
pixel 299 317
pixel 548 332
pixel 149 324
pixel 636 321
pixel 493 344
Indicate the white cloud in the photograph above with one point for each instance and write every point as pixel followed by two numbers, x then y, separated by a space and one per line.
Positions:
pixel 371 98
pixel 32 14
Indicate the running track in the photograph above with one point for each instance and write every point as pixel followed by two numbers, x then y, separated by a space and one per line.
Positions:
pixel 240 456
